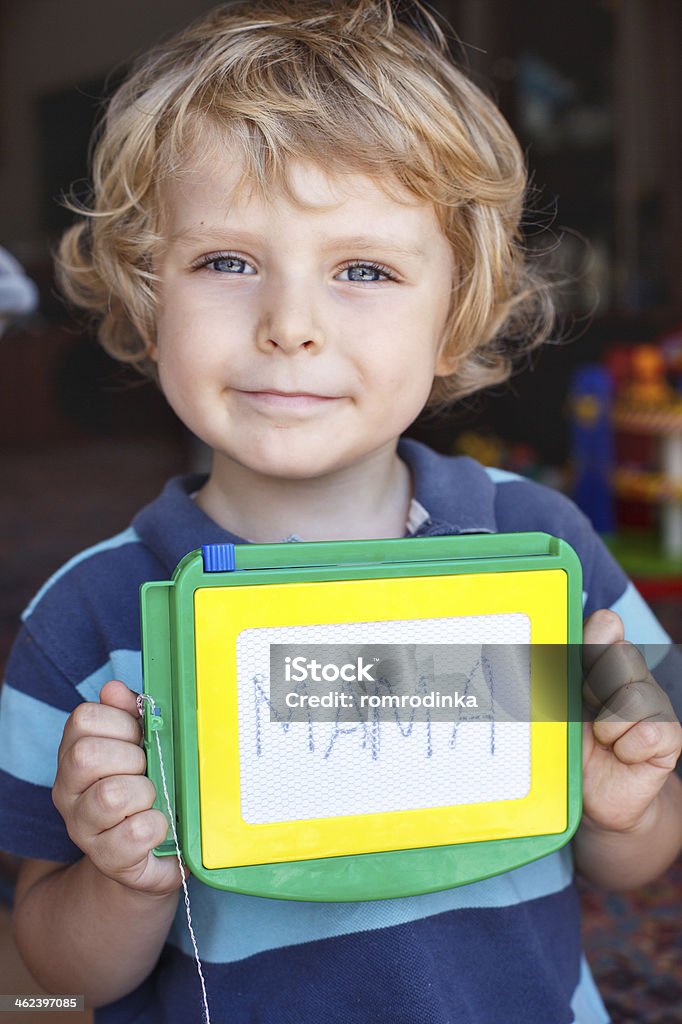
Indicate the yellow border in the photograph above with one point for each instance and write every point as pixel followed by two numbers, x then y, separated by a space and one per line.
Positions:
pixel 221 613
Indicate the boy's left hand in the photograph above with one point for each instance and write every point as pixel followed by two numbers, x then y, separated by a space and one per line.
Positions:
pixel 632 745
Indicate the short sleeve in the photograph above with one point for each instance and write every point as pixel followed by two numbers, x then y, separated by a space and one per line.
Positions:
pixel 35 702
pixel 603 578
pixel 523 505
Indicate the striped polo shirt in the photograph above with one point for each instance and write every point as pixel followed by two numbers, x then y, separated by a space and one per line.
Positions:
pixel 505 950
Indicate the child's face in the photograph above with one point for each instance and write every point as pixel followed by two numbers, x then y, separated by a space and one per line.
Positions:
pixel 273 309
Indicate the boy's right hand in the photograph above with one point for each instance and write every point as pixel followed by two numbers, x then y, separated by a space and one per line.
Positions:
pixel 105 798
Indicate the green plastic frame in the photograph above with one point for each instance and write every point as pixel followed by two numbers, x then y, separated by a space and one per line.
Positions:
pixel 169 676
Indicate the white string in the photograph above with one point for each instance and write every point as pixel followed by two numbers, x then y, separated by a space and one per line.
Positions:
pixel 141 698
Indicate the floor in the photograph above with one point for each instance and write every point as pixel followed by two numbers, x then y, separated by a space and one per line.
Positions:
pixel 63 499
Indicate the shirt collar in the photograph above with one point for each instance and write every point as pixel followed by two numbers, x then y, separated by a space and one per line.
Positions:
pixel 455 490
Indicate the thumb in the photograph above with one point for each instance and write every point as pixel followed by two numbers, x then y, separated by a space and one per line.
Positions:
pixel 601 630
pixel 117 695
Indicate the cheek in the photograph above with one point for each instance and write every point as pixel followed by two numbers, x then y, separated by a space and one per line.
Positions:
pixel 404 364
pixel 170 360
pixel 185 342
pixel 179 363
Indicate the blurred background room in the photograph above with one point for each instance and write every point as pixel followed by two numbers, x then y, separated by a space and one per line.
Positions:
pixel 593 90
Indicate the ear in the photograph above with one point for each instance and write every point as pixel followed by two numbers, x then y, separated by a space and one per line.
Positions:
pixel 446 365
pixel 146 333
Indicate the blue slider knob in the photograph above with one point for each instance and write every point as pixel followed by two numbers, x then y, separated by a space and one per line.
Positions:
pixel 218 557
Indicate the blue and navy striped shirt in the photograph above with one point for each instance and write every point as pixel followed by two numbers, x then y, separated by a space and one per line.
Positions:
pixel 506 949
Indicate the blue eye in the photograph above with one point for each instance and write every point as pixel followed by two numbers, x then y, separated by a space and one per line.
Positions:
pixel 221 263
pixel 375 268
pixel 227 263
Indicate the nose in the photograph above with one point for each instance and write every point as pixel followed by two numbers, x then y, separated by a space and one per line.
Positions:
pixel 289 321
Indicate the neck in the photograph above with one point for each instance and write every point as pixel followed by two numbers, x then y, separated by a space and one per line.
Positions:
pixel 369 499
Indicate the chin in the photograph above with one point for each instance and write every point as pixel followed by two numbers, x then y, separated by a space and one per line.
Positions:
pixel 291 461
pixel 294 469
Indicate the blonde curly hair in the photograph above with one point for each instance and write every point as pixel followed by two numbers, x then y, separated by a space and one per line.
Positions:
pixel 351 85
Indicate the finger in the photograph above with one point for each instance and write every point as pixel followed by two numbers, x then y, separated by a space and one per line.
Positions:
pixel 618 665
pixel 91 758
pixel 126 846
pixel 116 694
pixel 155 875
pixel 634 702
pixel 161 875
pixel 108 801
pixel 601 629
pixel 90 719
pixel 657 743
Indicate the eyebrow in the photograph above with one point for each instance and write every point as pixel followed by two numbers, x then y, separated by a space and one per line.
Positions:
pixel 358 242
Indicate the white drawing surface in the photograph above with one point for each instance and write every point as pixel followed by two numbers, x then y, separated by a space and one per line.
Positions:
pixel 298 770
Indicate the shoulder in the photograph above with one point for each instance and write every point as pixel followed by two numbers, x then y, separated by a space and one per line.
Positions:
pixel 86 615
pixel 471 498
pixel 113 554
pixel 102 577
pixel 523 504
pixel 468 497
pixel 89 607
pixel 82 627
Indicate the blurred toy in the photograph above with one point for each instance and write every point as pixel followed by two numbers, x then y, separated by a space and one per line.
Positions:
pixel 648 386
pixel 637 446
pixel 592 440
pixel 485 448
pixel 671 348
pixel 650 408
pixel 513 457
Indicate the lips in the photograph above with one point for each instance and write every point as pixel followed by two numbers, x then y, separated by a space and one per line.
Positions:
pixel 287 400
pixel 285 394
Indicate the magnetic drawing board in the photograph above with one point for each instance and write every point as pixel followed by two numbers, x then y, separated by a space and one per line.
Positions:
pixel 411 764
pixel 362 807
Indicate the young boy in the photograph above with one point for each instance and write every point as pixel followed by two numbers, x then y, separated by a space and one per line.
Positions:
pixel 305 225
